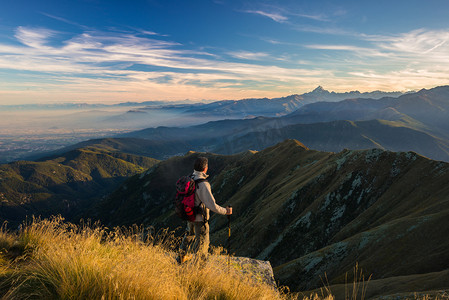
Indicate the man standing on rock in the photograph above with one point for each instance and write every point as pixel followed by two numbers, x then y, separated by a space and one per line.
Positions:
pixel 197 232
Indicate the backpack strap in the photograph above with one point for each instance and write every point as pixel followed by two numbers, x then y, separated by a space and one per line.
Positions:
pixel 200 207
pixel 200 180
pixel 197 181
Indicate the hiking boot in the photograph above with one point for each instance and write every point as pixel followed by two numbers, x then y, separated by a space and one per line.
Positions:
pixel 182 258
pixel 186 257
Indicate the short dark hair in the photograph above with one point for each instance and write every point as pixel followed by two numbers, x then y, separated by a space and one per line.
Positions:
pixel 200 163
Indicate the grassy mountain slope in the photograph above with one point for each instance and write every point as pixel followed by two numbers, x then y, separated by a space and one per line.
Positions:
pixel 380 208
pixel 311 212
pixel 156 148
pixel 63 184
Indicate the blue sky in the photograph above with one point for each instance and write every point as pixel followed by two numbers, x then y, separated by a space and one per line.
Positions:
pixel 117 51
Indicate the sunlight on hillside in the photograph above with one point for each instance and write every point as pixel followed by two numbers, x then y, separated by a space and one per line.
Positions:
pixel 51 259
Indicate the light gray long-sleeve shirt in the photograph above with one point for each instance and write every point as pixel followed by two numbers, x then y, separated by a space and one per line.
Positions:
pixel 203 194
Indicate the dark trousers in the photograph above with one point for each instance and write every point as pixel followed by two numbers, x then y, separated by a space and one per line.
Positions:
pixel 196 238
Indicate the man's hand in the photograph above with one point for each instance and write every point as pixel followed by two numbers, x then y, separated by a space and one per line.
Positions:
pixel 229 210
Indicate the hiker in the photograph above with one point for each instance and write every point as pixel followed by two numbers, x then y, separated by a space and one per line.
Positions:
pixel 197 232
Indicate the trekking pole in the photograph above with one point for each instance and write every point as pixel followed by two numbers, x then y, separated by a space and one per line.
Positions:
pixel 229 240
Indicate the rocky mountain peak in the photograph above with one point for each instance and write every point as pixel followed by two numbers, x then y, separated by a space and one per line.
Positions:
pixel 319 90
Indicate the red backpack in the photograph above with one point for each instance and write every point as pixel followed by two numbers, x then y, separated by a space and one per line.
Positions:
pixel 185 198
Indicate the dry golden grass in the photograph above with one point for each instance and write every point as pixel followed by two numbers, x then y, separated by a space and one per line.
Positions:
pixel 51 259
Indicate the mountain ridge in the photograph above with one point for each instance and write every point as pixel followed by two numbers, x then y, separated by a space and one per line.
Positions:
pixel 251 107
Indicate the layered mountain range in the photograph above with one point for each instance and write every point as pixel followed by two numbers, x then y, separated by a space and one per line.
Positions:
pixel 412 122
pixel 270 107
pixel 311 213
pixel 244 108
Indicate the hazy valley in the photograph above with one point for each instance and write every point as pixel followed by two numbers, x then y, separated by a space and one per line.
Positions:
pixel 412 122
pixel 28 131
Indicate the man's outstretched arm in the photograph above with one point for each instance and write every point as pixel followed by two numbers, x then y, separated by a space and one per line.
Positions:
pixel 205 194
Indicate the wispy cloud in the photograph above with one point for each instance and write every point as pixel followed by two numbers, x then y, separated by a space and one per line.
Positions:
pixel 147 32
pixel 298 18
pixel 329 30
pixel 130 65
pixel 284 14
pixel 424 45
pixel 34 37
pixel 363 51
pixel 317 17
pixel 275 16
pixel 64 20
pixel 419 58
pixel 248 55
pixel 418 42
pixel 99 62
